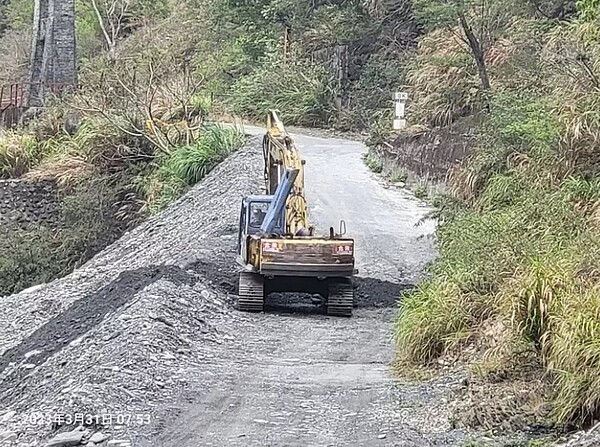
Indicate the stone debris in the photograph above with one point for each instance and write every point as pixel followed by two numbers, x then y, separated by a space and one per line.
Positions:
pixel 107 345
pixel 119 443
pixel 589 438
pixel 7 437
pixel 118 343
pixel 8 416
pixel 68 439
pixel 23 201
pixel 98 437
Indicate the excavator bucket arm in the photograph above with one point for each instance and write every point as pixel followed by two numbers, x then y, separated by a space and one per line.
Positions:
pixel 279 201
pixel 280 154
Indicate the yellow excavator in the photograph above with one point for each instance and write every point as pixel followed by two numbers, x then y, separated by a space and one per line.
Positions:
pixel 277 247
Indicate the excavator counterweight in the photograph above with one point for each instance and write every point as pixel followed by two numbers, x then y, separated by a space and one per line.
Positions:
pixel 277 247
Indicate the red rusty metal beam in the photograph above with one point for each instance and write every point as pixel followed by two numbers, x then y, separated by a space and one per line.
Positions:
pixel 14 95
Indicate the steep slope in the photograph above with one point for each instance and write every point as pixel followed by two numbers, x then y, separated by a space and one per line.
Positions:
pixel 115 336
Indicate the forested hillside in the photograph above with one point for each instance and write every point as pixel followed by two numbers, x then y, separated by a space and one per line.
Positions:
pixel 519 272
pixel 133 135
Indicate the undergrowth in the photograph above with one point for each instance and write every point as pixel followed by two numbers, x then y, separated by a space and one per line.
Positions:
pixel 519 234
pixel 175 172
pixel 109 181
pixel 301 91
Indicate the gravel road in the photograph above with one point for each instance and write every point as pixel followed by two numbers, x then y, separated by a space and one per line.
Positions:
pixel 303 379
pixel 145 332
pixel 392 243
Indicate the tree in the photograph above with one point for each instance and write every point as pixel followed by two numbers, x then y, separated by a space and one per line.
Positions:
pixel 117 19
pixel 476 23
pixel 111 15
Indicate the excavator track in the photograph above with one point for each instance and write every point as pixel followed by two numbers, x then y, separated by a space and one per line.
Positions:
pixel 251 292
pixel 341 298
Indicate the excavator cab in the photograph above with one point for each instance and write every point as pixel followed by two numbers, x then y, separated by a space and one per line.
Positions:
pixel 253 212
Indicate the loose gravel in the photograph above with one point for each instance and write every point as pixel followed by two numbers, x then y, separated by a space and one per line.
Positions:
pixel 114 340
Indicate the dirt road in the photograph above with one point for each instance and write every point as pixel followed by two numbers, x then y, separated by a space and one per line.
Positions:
pixel 303 379
pixel 383 220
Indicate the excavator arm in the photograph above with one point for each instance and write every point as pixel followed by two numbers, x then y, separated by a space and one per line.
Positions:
pixel 280 155
pixel 279 201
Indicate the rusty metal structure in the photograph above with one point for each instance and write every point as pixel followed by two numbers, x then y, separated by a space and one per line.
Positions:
pixel 14 100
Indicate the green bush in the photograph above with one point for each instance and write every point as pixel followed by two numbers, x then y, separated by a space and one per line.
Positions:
pixel 299 90
pixel 400 176
pixel 187 165
pixel 420 191
pixel 523 123
pixel 374 164
pixel 190 164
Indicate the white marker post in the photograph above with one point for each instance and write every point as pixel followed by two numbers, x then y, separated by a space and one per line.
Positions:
pixel 400 99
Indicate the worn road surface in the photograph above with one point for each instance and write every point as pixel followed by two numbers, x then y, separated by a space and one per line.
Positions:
pixel 294 377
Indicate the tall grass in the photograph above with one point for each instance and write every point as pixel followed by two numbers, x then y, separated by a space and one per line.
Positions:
pixel 454 93
pixel 527 255
pixel 187 165
pixel 300 90
pixel 19 152
pixel 520 239
pixel 433 319
pixel 192 163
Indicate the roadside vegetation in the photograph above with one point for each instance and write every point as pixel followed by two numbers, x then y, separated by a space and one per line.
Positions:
pixel 128 142
pixel 519 272
pixel 109 180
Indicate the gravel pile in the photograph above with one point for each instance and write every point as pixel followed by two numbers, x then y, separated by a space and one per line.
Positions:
pixel 112 342
pixel 589 438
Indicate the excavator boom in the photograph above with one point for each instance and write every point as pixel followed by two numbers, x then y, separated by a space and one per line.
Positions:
pixel 280 154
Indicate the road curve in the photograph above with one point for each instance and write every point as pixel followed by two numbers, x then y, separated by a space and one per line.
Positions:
pixel 304 379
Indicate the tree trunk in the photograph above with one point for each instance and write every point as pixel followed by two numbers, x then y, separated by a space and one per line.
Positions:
pixel 477 51
pixel 37 67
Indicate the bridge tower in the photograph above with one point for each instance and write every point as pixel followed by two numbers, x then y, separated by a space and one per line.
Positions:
pixel 53 53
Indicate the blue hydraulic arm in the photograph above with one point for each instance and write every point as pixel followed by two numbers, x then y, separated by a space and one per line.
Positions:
pixel 279 200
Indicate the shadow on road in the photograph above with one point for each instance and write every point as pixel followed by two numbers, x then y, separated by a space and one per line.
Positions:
pixel 370 293
pixel 375 293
